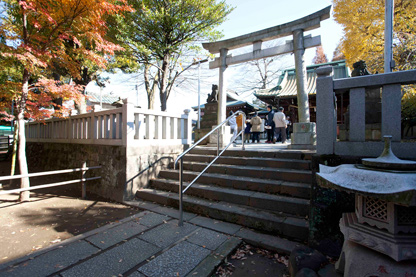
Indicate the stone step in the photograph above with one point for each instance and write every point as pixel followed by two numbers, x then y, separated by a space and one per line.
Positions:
pixel 293 189
pixel 280 154
pixel 271 222
pixel 252 161
pixel 260 200
pixel 291 175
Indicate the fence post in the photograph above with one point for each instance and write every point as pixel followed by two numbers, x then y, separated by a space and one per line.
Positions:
pixel 187 138
pixel 391 111
pixel 325 111
pixel 128 130
pixel 83 183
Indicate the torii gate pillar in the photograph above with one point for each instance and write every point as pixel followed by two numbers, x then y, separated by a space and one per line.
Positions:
pixel 304 132
pixel 302 96
pixel 222 86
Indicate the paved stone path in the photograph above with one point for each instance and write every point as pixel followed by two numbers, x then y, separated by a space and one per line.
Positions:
pixel 149 243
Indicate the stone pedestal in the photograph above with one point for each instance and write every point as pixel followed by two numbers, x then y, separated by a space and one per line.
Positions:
pixel 358 260
pixel 303 136
pixel 224 138
pixel 208 120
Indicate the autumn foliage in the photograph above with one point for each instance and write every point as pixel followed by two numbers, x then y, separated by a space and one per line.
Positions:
pixel 320 56
pixel 363 24
pixel 41 38
pixel 45 36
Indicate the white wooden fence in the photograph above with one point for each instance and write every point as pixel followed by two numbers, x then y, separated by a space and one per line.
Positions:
pixel 125 126
pixel 326 120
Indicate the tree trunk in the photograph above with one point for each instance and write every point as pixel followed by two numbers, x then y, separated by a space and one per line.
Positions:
pixel 164 82
pixel 150 90
pixel 21 107
pixel 25 195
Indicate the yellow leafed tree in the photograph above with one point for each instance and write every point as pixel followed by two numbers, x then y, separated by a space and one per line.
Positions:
pixel 363 25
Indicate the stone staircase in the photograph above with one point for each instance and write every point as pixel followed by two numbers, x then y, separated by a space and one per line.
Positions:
pixel 268 191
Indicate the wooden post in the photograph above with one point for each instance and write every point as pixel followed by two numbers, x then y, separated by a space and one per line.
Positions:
pixel 83 184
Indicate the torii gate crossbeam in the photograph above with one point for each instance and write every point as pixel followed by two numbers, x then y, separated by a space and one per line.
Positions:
pixel 298 45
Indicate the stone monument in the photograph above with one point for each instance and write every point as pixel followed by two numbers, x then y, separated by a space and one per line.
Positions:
pixel 209 118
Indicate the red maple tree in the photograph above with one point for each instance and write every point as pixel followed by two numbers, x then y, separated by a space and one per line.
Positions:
pixel 39 36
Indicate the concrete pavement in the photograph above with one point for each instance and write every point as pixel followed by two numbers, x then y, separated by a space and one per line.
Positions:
pixel 149 243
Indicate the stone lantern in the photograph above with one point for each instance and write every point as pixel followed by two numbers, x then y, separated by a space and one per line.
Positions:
pixel 385 215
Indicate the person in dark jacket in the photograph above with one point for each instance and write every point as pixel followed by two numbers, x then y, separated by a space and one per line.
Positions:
pixel 247 132
pixel 270 125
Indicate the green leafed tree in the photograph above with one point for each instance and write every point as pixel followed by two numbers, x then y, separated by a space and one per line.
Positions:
pixel 160 34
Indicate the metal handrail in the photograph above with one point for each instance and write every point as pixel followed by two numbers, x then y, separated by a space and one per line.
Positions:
pixel 150 166
pixel 82 180
pixel 181 156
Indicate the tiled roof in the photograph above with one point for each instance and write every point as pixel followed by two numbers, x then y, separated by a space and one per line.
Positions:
pixel 233 104
pixel 106 98
pixel 286 86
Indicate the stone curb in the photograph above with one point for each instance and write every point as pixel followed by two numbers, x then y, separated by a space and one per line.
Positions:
pixel 252 237
pixel 210 263
pixel 268 242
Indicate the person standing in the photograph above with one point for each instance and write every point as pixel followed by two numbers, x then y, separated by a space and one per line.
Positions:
pixel 289 125
pixel 270 124
pixel 255 127
pixel 279 119
pixel 247 131
pixel 233 124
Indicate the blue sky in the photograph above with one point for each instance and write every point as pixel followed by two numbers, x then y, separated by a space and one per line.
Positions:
pixel 248 16
pixel 253 15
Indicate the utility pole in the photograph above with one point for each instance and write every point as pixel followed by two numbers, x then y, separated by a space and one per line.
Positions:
pixel 199 92
pixel 388 36
pixel 199 95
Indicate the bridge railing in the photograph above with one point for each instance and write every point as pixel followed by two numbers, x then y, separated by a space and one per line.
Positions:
pixel 357 144
pixel 124 126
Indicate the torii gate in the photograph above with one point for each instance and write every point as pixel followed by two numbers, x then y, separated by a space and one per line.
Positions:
pixel 297 45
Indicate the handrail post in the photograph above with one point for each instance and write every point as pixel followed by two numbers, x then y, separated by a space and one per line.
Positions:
pixel 180 192
pixel 83 184
pixel 242 129
pixel 218 140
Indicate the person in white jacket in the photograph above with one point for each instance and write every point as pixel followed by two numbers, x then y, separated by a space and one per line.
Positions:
pixel 279 119
pixel 233 124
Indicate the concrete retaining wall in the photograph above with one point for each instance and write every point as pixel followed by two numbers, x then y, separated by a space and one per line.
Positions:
pixel 119 164
pixel 138 158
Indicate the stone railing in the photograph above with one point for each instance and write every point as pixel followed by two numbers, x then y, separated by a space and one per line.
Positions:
pixel 125 126
pixel 357 144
